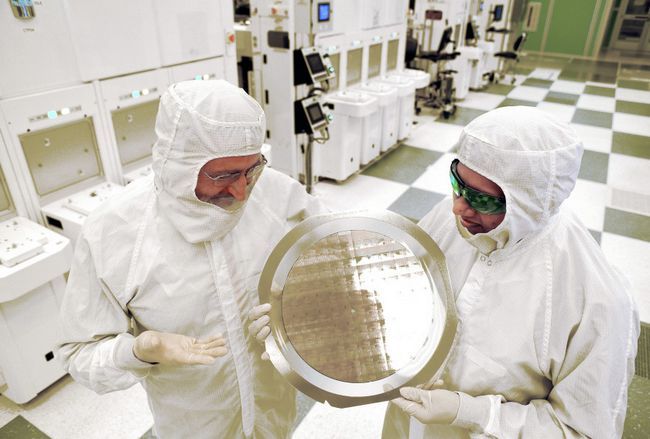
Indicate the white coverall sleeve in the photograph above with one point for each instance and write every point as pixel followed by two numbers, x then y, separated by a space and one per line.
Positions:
pixel 96 347
pixel 589 395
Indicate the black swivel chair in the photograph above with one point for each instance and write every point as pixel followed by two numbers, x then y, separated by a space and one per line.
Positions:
pixel 441 91
pixel 511 57
pixel 411 50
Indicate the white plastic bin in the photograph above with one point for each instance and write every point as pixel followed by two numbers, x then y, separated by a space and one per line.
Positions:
pixel 340 156
pixel 421 78
pixel 406 98
pixel 386 95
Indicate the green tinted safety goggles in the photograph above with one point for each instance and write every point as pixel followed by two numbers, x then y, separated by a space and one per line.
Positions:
pixel 479 201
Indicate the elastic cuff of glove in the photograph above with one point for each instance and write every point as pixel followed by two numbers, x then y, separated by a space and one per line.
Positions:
pixel 473 412
pixel 125 359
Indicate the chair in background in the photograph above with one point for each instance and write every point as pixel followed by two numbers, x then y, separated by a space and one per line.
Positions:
pixel 440 93
pixel 511 58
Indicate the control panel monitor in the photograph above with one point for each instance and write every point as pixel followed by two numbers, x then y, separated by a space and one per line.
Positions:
pixel 315 114
pixel 311 66
pixel 323 12
pixel 498 13
pixel 309 116
pixel 315 62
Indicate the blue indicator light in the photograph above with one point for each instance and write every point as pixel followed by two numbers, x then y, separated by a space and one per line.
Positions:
pixel 135 93
pixel 51 114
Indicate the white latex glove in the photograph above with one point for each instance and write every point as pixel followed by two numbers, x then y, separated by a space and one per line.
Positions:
pixel 438 406
pixel 259 327
pixel 176 349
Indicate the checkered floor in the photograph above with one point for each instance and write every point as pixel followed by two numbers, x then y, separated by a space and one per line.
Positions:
pixel 604 103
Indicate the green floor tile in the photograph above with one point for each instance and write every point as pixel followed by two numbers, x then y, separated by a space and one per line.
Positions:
pixel 404 164
pixel 636 85
pixel 632 225
pixel 415 203
pixel 562 98
pixel 499 89
pixel 523 70
pixel 596 234
pixel 631 144
pixel 637 419
pixel 594 166
pixel 593 65
pixel 605 78
pixel 642 360
pixel 600 91
pixel 584 76
pixel 593 118
pixel 462 117
pixel 544 61
pixel 148 435
pixel 21 428
pixel 633 108
pixel 536 82
pixel 590 70
pixel 512 102
pixel 636 72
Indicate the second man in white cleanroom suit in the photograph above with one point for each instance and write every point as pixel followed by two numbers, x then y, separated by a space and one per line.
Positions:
pixel 548 330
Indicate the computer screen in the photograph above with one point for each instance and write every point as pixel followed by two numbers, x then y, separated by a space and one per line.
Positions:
pixel 498 13
pixel 315 114
pixel 315 63
pixel 323 12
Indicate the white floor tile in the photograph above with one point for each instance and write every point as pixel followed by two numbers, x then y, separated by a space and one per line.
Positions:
pixel 69 410
pixel 544 73
pixel 436 177
pixel 628 94
pixel 601 84
pixel 588 201
pixel 594 138
pixel 527 93
pixel 630 256
pixel 561 112
pixel 8 410
pixel 427 114
pixel 597 103
pixel 571 87
pixel 518 79
pixel 324 421
pixel 631 123
pixel 481 101
pixel 434 136
pixel 629 173
pixel 359 192
pixel 630 201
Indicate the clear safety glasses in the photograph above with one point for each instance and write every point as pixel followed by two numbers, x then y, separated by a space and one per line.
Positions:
pixel 251 174
pixel 479 201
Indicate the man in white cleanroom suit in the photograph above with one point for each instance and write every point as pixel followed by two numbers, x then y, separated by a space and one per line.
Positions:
pixel 162 282
pixel 548 330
